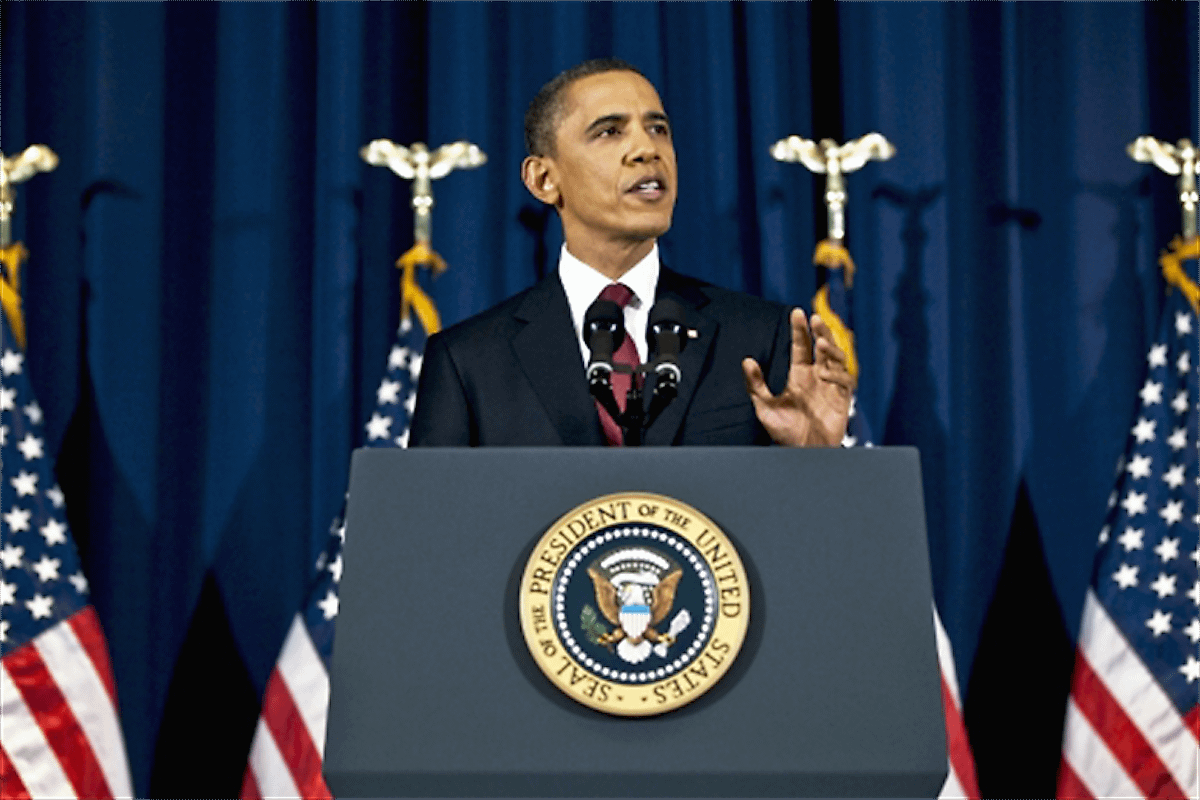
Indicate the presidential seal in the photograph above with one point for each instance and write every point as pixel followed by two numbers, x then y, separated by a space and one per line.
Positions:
pixel 634 604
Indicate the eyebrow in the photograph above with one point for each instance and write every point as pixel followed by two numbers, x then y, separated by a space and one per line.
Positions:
pixel 607 119
pixel 621 119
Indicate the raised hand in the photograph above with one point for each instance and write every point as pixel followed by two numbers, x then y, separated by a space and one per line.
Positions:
pixel 814 407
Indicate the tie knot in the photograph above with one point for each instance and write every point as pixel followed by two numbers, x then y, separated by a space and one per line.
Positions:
pixel 618 293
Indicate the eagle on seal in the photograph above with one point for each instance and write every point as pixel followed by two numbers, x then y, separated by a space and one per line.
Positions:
pixel 635 604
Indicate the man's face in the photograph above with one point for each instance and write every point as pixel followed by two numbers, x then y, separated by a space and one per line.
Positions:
pixel 614 161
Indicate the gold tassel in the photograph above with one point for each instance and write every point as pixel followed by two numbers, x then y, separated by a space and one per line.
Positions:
pixel 832 254
pixel 1172 268
pixel 843 337
pixel 412 296
pixel 13 256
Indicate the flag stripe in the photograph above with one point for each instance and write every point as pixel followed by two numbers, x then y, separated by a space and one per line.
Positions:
pixel 945 655
pixel 250 786
pixel 87 628
pixel 274 779
pixel 962 763
pixel 958 745
pixel 952 789
pixel 1090 759
pixel 1135 689
pixel 56 719
pixel 1191 721
pixel 25 742
pixel 72 670
pixel 287 726
pixel 307 681
pixel 1070 787
pixel 11 787
pixel 1127 743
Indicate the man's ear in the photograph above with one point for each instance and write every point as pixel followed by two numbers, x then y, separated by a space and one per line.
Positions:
pixel 539 174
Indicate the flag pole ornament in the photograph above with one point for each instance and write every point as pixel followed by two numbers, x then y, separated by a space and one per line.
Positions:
pixel 1178 159
pixel 421 166
pixel 17 169
pixel 834 161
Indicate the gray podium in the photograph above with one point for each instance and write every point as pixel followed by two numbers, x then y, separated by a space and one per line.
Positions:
pixel 835 693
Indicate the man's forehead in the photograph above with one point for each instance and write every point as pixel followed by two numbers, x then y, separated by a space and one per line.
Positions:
pixel 615 93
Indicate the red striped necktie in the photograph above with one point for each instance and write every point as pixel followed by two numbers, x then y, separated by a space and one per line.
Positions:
pixel 626 354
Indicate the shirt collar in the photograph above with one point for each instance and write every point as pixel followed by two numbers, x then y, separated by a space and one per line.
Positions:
pixel 583 283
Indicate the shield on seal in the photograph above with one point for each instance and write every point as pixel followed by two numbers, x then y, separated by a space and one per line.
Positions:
pixel 635 589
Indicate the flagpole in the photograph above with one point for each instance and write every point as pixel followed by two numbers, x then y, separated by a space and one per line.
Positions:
pixel 421 166
pixel 1178 159
pixel 829 158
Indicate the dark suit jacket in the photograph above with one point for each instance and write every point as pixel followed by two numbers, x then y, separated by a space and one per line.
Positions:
pixel 513 375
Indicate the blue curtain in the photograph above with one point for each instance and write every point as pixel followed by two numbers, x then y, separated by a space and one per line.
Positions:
pixel 1010 289
pixel 210 295
pixel 211 298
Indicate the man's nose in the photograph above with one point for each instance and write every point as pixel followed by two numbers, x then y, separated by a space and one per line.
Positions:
pixel 643 148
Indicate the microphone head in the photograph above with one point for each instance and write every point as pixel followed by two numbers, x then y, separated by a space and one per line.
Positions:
pixel 666 333
pixel 668 310
pixel 603 329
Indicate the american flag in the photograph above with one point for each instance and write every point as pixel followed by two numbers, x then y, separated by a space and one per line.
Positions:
pixel 832 303
pixel 60 735
pixel 289 743
pixel 1132 719
pixel 397 394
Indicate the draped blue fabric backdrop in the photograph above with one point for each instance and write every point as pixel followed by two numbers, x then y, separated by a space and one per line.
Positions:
pixel 211 299
pixel 1011 279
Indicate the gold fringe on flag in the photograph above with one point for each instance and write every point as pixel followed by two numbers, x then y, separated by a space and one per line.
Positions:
pixel 412 296
pixel 12 257
pixel 832 254
pixel 1171 262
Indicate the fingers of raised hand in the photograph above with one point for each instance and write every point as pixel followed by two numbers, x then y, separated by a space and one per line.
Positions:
pixel 756 385
pixel 802 349
pixel 820 329
pixel 831 364
pixel 828 354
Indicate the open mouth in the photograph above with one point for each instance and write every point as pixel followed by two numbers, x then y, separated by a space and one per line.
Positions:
pixel 649 188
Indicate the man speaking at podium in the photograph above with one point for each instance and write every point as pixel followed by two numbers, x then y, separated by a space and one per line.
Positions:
pixel 601 152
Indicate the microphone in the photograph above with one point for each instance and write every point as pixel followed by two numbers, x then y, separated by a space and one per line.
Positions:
pixel 666 335
pixel 603 331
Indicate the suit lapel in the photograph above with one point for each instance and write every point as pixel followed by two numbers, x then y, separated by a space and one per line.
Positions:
pixel 548 352
pixel 693 361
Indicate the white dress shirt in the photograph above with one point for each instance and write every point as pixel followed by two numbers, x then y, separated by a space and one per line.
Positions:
pixel 583 285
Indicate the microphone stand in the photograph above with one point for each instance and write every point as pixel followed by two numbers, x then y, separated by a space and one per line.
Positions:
pixel 634 420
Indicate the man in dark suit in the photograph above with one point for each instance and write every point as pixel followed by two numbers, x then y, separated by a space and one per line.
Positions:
pixel 601 152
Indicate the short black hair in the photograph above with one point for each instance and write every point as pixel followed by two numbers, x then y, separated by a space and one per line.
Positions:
pixel 542 117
